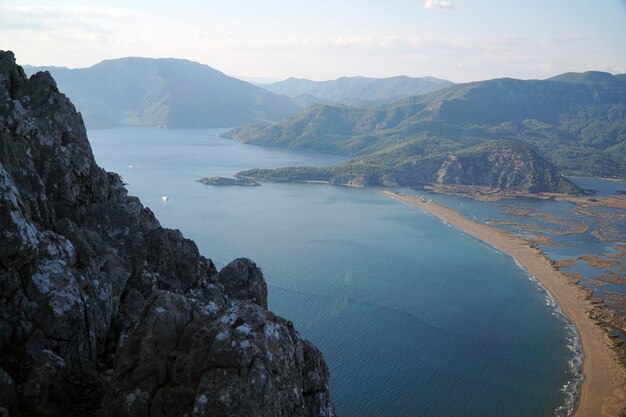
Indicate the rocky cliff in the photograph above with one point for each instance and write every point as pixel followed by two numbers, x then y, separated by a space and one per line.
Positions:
pixel 503 165
pixel 103 311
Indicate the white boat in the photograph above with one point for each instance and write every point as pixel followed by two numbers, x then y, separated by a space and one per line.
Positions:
pixel 165 198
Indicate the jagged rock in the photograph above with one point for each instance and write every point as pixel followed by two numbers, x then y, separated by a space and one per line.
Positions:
pixel 243 280
pixel 503 165
pixel 186 355
pixel 97 300
pixel 7 390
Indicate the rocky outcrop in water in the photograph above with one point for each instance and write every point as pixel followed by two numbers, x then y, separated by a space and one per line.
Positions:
pixel 221 181
pixel 104 311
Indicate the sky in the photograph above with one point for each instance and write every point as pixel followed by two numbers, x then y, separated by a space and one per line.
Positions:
pixel 459 40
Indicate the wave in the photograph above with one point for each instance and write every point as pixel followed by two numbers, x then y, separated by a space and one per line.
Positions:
pixel 571 388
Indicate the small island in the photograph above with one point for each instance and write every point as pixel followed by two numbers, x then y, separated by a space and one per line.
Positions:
pixel 245 182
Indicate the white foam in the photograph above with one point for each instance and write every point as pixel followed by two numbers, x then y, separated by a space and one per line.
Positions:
pixel 575 365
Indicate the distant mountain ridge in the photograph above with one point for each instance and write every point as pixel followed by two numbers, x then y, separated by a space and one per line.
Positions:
pixel 576 121
pixel 165 92
pixel 357 90
pixel 591 77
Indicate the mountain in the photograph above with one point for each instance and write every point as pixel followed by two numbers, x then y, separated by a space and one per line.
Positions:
pixel 579 126
pixel 499 165
pixel 305 100
pixel 104 312
pixel 357 90
pixel 172 93
pixel 591 77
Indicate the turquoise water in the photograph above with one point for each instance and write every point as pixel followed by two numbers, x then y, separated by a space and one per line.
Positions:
pixel 414 317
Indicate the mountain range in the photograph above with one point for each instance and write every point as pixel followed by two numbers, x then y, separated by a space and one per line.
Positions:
pixel 356 90
pixel 577 121
pixel 178 93
pixel 168 92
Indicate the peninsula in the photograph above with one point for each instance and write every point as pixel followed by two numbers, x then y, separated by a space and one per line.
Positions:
pixel 603 391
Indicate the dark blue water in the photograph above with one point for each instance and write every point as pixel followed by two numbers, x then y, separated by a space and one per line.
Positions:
pixel 415 318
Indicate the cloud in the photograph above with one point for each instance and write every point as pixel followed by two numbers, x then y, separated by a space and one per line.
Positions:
pixel 438 5
pixel 52 18
pixel 53 11
pixel 561 39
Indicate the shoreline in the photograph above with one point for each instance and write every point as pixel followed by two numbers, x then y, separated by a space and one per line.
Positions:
pixel 603 391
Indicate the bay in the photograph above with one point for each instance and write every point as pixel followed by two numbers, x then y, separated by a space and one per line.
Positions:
pixel 414 317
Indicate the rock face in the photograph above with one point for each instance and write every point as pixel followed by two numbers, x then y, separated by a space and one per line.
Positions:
pixel 500 165
pixel 503 165
pixel 104 311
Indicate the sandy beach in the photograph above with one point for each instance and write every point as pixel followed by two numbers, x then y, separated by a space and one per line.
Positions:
pixel 603 391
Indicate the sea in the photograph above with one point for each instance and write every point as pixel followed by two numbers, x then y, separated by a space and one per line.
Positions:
pixel 414 317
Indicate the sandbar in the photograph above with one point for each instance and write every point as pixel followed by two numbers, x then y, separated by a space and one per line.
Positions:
pixel 603 391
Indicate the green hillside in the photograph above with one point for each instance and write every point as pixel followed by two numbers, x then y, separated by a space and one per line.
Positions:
pixel 504 165
pixel 576 121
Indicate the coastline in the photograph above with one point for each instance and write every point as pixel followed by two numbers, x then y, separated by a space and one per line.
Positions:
pixel 603 391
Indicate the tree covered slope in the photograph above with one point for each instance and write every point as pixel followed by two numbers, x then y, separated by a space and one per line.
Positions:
pixel 576 121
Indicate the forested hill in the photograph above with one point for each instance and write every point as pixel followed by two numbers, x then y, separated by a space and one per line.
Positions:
pixel 499 165
pixel 576 121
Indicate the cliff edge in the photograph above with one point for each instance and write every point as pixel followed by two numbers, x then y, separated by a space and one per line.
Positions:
pixel 103 311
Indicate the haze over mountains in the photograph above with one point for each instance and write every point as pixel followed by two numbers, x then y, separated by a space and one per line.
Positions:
pixel 576 121
pixel 178 93
pixel 356 90
pixel 171 93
